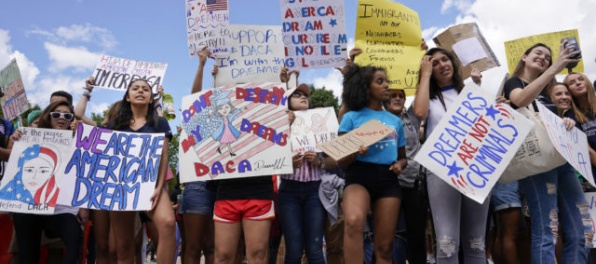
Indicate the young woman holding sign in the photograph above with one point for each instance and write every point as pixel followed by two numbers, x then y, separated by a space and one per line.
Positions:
pixel 554 197
pixel 64 222
pixel 137 114
pixel 456 217
pixel 371 173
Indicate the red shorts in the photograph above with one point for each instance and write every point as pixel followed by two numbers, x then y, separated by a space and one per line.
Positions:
pixel 233 211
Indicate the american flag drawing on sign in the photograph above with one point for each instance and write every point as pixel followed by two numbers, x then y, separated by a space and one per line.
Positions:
pixel 217 5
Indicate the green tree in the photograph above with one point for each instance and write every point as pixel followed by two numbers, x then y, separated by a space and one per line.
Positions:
pixel 324 97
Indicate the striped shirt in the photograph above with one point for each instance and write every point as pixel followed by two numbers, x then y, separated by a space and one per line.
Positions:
pixel 306 173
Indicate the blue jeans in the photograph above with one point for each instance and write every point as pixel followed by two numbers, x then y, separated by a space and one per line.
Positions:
pixel 302 218
pixel 556 197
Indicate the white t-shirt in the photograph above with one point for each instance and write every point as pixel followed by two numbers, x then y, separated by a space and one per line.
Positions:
pixel 436 111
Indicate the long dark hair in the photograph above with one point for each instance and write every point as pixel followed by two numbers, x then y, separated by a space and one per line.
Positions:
pixel 519 68
pixel 122 120
pixel 357 81
pixel 458 82
pixel 45 121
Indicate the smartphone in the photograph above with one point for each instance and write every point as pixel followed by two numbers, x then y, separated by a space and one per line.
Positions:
pixel 571 41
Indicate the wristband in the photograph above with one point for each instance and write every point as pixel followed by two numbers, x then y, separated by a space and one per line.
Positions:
pixel 157 106
pixel 88 96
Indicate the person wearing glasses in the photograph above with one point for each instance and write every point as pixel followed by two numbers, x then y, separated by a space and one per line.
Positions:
pixel 43 189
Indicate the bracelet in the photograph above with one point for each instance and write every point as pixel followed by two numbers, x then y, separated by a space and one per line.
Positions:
pixel 88 96
pixel 157 106
pixel 87 88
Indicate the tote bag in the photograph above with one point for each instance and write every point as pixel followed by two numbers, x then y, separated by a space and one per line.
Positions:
pixel 537 153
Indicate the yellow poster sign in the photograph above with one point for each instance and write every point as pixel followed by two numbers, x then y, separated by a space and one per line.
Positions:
pixel 516 48
pixel 389 35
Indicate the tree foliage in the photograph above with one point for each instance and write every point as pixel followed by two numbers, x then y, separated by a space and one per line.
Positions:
pixel 323 97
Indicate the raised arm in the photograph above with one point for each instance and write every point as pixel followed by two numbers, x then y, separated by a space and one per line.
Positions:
pixel 197 84
pixel 422 99
pixel 81 106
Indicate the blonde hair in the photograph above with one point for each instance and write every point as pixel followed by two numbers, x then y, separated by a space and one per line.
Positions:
pixel 591 95
pixel 579 116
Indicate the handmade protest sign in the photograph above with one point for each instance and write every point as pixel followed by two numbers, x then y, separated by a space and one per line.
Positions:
pixel 571 144
pixel 474 142
pixel 236 131
pixel 256 55
pixel 591 198
pixel 389 35
pixel 207 25
pixel 314 33
pixel 116 73
pixel 14 102
pixel 111 170
pixel 31 182
pixel 514 49
pixel 469 46
pixel 349 143
pixel 313 127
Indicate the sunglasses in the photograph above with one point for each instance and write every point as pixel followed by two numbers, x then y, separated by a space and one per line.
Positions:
pixel 56 115
pixel 298 95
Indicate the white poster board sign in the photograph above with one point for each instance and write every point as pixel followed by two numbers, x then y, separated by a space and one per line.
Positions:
pixel 207 25
pixel 111 170
pixel 313 127
pixel 256 55
pixel 571 144
pixel 236 131
pixel 474 142
pixel 117 73
pixel 31 182
pixel 314 33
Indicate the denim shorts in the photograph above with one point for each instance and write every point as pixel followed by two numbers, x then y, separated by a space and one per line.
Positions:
pixel 505 196
pixel 197 199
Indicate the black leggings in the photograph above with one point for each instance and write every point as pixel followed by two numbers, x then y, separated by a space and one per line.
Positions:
pixel 28 229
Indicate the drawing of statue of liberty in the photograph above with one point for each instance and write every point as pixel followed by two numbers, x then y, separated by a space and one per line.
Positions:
pixel 224 114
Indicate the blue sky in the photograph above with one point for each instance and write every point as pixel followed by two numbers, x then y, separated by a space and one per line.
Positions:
pixel 57 43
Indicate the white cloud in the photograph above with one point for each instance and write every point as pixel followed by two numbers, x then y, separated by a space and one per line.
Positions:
pixel 78 58
pixel 461 5
pixel 86 33
pixel 332 81
pixel 97 108
pixel 27 68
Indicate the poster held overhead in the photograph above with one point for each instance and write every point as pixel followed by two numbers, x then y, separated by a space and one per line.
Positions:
pixel 117 73
pixel 14 102
pixel 207 25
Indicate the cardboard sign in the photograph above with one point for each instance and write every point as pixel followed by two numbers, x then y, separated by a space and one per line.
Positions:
pixel 469 46
pixel 514 49
pixel 236 131
pixel 366 135
pixel 207 25
pixel 571 144
pixel 474 142
pixel 313 127
pixel 314 33
pixel 256 55
pixel 14 101
pixel 31 182
pixel 116 73
pixel 389 35
pixel 111 170
pixel 591 199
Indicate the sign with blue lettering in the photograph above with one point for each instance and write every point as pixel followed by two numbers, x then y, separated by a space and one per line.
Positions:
pixel 474 142
pixel 31 181
pixel 235 131
pixel 571 144
pixel 591 198
pixel 256 55
pixel 111 170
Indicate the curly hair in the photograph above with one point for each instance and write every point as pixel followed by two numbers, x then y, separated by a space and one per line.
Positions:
pixel 45 121
pixel 122 120
pixel 357 80
pixel 458 82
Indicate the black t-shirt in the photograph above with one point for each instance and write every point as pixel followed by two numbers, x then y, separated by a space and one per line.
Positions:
pixel 515 82
pixel 258 188
pixel 161 126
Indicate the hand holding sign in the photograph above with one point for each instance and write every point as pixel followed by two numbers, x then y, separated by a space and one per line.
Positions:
pixel 356 141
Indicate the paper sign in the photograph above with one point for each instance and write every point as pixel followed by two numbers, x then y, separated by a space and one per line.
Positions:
pixel 314 33
pixel 366 135
pixel 112 170
pixel 571 144
pixel 469 46
pixel 207 25
pixel 313 127
pixel 236 131
pixel 116 73
pixel 474 142
pixel 256 55
pixel 14 101
pixel 514 49
pixel 34 171
pixel 591 199
pixel 389 35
